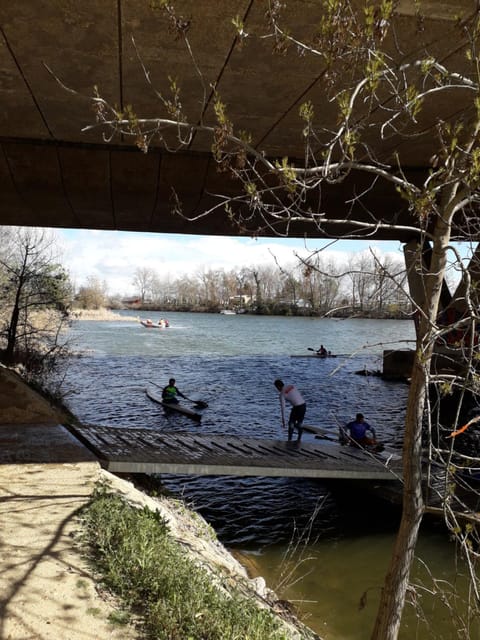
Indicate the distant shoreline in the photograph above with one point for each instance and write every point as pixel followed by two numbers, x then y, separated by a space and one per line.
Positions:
pixel 105 314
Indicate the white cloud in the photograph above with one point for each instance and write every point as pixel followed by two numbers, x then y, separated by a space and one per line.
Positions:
pixel 114 256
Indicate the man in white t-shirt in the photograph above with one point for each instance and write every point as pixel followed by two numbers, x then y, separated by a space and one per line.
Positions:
pixel 289 393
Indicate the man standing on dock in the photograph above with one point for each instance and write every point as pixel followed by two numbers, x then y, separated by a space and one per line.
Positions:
pixel 291 394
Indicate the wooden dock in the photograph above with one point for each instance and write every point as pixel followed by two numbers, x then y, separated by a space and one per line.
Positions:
pixel 128 450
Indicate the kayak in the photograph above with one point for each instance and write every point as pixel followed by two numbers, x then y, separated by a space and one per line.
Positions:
pixel 326 434
pixel 156 396
pixel 313 355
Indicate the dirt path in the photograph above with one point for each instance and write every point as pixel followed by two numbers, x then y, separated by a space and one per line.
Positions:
pixel 47 590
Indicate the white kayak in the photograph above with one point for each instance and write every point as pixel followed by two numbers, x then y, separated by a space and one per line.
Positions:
pixel 156 396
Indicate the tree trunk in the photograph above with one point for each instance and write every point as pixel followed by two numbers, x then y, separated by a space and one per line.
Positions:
pixel 13 324
pixel 12 335
pixel 392 600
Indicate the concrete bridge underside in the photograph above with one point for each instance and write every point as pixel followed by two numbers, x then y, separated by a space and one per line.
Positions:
pixel 54 175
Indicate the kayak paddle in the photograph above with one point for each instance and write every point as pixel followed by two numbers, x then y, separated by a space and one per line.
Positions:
pixel 198 403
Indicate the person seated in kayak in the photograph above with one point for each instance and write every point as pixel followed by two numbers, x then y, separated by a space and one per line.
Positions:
pixel 322 351
pixel 170 392
pixel 355 432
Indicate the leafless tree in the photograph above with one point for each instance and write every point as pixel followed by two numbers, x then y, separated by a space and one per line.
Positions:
pixel 322 283
pixel 36 295
pixel 144 280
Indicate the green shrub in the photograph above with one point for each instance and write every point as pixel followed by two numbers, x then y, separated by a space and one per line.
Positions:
pixel 178 600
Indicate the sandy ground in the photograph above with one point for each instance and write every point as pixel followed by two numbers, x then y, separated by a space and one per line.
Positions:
pixel 47 590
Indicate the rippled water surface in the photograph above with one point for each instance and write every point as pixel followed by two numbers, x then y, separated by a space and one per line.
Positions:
pixel 285 529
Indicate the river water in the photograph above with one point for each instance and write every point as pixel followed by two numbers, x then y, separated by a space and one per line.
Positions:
pixel 316 547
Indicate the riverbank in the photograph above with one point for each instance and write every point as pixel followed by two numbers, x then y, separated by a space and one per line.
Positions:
pixel 48 589
pixel 280 310
pixel 146 309
pixel 105 315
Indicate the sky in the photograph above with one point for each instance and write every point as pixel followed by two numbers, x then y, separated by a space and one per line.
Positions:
pixel 113 256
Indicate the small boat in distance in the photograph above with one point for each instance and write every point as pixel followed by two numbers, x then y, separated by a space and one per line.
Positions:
pixel 228 312
pixel 161 324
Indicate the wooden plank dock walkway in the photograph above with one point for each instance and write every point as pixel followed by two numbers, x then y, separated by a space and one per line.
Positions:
pixel 129 450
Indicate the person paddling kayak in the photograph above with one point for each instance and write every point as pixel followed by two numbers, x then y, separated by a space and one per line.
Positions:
pixel 171 391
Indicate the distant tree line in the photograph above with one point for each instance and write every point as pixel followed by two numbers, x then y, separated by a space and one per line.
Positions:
pixel 366 285
pixel 315 286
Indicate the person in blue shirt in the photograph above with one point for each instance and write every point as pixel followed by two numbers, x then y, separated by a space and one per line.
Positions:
pixel 355 432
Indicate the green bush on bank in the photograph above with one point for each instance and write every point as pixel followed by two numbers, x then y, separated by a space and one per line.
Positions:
pixel 155 579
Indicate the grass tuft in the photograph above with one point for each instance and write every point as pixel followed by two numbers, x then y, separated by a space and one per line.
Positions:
pixel 156 580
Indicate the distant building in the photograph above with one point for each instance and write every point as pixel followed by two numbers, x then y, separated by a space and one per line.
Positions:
pixel 240 299
pixel 132 303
